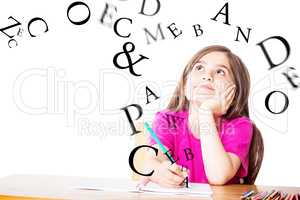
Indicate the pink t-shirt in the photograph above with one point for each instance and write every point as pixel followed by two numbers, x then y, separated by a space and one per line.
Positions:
pixel 172 130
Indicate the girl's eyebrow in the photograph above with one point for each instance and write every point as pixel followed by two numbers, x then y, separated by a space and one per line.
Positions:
pixel 220 65
pixel 224 66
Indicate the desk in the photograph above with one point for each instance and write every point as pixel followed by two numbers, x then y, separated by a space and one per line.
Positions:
pixel 36 187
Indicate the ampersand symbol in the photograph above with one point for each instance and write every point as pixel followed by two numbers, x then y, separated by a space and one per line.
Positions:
pixel 128 47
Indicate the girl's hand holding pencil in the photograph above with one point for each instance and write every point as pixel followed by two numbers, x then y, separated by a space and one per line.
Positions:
pixel 166 172
pixel 166 175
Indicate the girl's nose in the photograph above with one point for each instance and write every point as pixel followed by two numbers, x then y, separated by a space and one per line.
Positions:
pixel 206 78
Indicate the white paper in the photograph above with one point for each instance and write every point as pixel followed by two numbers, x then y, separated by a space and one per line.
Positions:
pixel 193 189
pixel 119 185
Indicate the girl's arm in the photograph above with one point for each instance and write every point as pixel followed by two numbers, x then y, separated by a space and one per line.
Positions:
pixel 219 165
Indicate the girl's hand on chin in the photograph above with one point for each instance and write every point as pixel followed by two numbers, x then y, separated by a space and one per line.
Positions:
pixel 221 101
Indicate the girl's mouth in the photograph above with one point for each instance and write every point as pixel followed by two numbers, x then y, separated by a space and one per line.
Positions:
pixel 207 86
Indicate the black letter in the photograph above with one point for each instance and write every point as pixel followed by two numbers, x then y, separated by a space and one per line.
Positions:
pixel 75 4
pixel 33 20
pixel 12 40
pixel 116 25
pixel 240 31
pixel 197 29
pixel 290 78
pixel 152 93
pixel 174 29
pixel 186 181
pixel 187 152
pixel 156 36
pixel 287 47
pixel 131 157
pixel 11 26
pixel 143 6
pixel 226 14
pixel 105 13
pixel 140 110
pixel 170 156
pixel 267 102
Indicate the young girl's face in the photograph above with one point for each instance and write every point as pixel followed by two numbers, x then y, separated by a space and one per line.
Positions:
pixel 209 75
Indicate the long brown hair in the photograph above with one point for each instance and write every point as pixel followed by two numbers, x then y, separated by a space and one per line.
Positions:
pixel 238 107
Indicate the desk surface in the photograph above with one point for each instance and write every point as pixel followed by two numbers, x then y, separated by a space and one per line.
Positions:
pixel 60 187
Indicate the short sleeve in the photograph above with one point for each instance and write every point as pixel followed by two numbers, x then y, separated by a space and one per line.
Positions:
pixel 236 139
pixel 161 127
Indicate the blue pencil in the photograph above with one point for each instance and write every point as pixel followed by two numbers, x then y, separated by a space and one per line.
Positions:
pixel 161 146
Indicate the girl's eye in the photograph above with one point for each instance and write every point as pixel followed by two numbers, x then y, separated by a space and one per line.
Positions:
pixel 221 72
pixel 199 67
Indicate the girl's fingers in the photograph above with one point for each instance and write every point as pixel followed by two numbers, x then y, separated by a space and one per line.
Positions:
pixel 168 184
pixel 222 87
pixel 223 92
pixel 171 183
pixel 230 88
pixel 225 99
pixel 173 178
pixel 167 178
pixel 176 169
pixel 230 94
pixel 229 98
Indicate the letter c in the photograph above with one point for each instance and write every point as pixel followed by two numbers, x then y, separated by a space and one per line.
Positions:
pixel 131 157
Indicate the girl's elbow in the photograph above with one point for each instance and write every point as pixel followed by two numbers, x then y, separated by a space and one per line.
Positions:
pixel 217 181
pixel 220 177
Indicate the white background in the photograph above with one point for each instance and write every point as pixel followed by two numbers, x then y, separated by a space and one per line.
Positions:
pixel 61 94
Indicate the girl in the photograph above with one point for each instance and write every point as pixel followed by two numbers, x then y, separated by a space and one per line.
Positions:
pixel 206 125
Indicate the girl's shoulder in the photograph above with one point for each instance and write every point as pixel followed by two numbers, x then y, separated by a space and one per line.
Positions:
pixel 241 125
pixel 238 120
